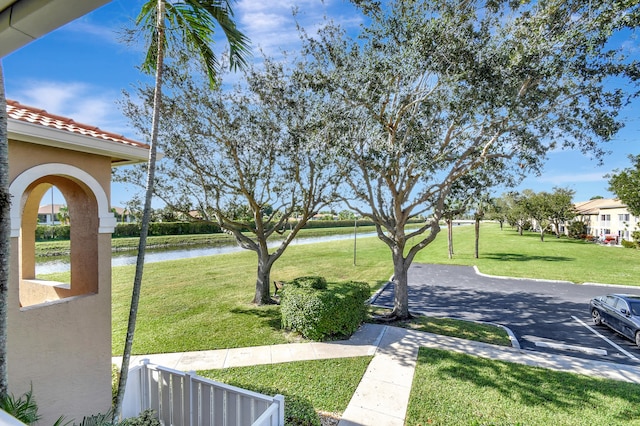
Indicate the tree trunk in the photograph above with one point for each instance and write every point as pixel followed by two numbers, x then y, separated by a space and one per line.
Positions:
pixel 450 237
pixel 401 285
pixel 263 279
pixel 477 226
pixel 146 215
pixel 5 234
pixel 541 234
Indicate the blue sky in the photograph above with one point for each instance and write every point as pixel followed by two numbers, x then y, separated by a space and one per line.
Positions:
pixel 80 70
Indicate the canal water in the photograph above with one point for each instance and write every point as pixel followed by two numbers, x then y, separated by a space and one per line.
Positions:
pixel 45 266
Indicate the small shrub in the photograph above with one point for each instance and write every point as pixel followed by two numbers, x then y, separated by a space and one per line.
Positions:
pixel 629 244
pixel 146 418
pixel 577 229
pixel 23 408
pixel 315 282
pixel 98 420
pixel 318 314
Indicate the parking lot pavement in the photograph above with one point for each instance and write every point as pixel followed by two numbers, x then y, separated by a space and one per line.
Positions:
pixel 546 316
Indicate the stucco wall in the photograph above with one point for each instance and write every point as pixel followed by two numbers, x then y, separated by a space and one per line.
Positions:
pixel 63 348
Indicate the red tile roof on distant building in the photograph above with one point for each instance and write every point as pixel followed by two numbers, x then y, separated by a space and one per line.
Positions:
pixel 17 111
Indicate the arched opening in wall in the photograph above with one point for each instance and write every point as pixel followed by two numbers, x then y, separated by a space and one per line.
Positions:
pixel 53 233
pixel 82 210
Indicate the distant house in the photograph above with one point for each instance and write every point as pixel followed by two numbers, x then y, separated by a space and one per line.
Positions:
pixel 48 214
pixel 123 215
pixel 607 217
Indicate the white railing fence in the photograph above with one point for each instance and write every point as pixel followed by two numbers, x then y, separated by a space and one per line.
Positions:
pixel 186 399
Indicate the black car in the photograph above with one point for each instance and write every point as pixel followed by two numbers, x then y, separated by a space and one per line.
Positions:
pixel 620 312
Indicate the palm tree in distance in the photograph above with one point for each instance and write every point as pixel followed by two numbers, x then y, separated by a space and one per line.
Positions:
pixel 189 23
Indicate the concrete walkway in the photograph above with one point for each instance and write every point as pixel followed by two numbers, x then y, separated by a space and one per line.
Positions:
pixel 383 394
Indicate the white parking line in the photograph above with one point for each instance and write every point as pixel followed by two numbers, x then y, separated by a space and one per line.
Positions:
pixel 631 356
pixel 562 346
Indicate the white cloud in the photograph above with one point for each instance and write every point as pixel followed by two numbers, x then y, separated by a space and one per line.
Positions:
pixel 93 30
pixel 82 102
pixel 271 26
pixel 572 178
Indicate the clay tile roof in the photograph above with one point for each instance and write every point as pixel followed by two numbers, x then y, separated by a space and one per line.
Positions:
pixel 17 111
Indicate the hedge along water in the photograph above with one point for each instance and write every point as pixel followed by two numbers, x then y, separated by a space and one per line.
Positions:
pixel 47 266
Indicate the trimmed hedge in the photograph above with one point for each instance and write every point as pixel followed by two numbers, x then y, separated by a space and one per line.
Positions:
pixel 315 282
pixel 61 232
pixel 156 229
pixel 323 314
pixel 313 224
pixel 56 232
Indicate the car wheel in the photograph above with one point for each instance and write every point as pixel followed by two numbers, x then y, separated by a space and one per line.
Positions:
pixel 638 338
pixel 597 319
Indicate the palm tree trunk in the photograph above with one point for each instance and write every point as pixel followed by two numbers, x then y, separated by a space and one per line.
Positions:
pixel 146 215
pixel 5 233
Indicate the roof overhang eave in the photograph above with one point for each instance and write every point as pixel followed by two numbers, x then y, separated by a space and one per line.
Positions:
pixel 23 21
pixel 122 154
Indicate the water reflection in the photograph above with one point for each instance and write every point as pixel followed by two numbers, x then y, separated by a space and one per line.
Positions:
pixel 121 259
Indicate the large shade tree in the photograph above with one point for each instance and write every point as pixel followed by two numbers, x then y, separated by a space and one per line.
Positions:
pixel 434 89
pixel 515 211
pixel 538 207
pixel 253 159
pixel 562 208
pixel 174 26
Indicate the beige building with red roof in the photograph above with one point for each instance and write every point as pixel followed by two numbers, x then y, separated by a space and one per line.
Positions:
pixel 607 217
pixel 59 333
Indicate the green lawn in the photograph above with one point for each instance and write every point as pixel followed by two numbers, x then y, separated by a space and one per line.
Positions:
pixel 457 389
pixel 203 303
pixel 504 252
pixel 308 386
pixel 486 333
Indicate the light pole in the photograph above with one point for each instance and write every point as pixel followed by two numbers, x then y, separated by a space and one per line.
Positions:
pixel 355 235
pixel 53 221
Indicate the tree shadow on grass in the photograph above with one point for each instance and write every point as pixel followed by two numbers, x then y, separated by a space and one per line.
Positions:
pixel 532 386
pixel 269 316
pixel 510 257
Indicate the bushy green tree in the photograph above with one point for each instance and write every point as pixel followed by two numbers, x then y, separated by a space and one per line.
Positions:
pixel 562 209
pixel 434 89
pixel 626 185
pixel 538 206
pixel 250 158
